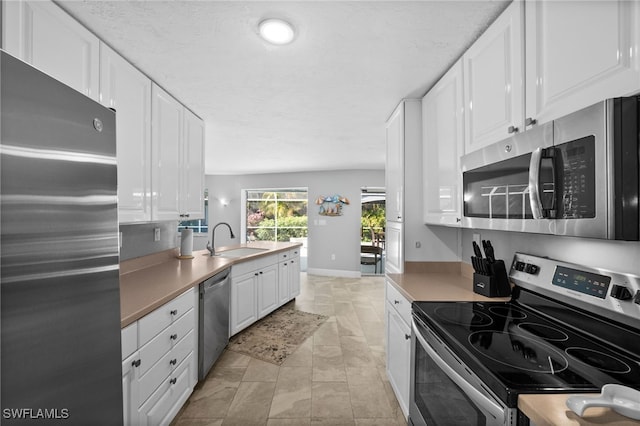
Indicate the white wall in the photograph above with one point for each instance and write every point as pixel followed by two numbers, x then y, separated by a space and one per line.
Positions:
pixel 619 256
pixel 339 235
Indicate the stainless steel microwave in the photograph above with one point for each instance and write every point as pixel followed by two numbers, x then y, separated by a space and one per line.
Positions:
pixel 575 176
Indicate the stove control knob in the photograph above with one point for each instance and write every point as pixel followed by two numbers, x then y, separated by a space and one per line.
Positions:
pixel 530 268
pixel 620 292
pixel 519 266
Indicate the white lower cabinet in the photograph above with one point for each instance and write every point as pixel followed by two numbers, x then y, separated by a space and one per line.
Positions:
pixel 260 286
pixel 398 334
pixel 159 376
pixel 163 405
pixel 267 286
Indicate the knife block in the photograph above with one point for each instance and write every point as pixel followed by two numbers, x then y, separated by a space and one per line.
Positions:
pixel 496 284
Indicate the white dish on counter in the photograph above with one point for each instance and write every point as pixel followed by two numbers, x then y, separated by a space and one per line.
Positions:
pixel 621 399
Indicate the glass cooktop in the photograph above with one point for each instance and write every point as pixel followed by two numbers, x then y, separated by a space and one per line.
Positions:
pixel 515 349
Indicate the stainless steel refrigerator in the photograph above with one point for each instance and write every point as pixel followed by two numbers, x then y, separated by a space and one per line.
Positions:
pixel 60 298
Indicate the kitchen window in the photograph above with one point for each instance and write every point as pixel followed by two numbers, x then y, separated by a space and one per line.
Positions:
pixel 199 226
pixel 276 214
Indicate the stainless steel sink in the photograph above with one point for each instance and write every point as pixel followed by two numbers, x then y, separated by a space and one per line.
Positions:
pixel 239 252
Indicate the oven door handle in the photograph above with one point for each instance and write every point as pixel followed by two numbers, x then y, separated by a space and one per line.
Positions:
pixel 474 394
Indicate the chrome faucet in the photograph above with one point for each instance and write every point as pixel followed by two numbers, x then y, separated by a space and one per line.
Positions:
pixel 212 248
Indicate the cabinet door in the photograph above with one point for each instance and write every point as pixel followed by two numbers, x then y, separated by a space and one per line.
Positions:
pixel 394 247
pixel 166 133
pixel 294 277
pixel 130 400
pixel 493 90
pixel 192 186
pixel 394 171
pixel 128 91
pixel 579 53
pixel 267 290
pixel 443 135
pixel 42 34
pixel 243 301
pixel 284 282
pixel 398 357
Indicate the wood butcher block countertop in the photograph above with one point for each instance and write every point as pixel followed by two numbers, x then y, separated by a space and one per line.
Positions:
pixel 451 281
pixel 149 282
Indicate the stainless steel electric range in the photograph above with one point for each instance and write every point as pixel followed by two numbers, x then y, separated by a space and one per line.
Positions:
pixel 567 328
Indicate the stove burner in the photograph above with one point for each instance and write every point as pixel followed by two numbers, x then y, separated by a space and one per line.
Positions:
pixel 526 354
pixel 599 360
pixel 463 315
pixel 545 332
pixel 508 312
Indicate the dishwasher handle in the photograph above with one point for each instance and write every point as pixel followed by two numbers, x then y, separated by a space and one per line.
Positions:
pixel 215 281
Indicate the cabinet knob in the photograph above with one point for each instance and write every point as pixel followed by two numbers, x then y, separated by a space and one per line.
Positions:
pixel 136 363
pixel 399 217
pixel 174 312
pixel 512 129
pixel 173 336
pixel 458 219
pixel 173 381
pixel 508 148
pixel 396 302
pixel 407 336
pixel 173 361
pixel 256 274
pixel 260 272
pixel 530 121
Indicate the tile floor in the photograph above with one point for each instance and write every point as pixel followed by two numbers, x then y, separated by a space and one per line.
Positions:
pixel 336 377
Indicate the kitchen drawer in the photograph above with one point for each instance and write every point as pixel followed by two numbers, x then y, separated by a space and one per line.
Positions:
pixel 150 325
pixel 163 342
pixel 253 265
pixel 283 256
pixel 399 302
pixel 129 339
pixel 166 401
pixel 150 381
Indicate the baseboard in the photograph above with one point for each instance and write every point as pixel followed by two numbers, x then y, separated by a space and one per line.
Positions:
pixel 334 273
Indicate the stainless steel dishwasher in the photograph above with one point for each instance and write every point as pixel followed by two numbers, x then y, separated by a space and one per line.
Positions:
pixel 214 320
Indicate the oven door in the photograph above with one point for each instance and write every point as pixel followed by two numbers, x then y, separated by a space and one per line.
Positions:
pixel 444 391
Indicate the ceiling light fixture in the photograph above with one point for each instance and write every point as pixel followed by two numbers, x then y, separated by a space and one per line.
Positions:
pixel 276 31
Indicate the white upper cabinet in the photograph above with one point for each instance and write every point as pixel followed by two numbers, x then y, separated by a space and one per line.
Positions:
pixel 166 133
pixel 493 74
pixel 128 91
pixel 177 159
pixel 443 143
pixel 192 190
pixel 43 35
pixel 579 53
pixel 394 170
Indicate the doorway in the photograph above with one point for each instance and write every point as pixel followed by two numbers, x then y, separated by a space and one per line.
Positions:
pixel 372 230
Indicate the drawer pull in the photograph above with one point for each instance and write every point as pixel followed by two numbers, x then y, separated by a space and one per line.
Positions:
pixel 173 381
pixel 136 363
pixel 173 361
pixel 174 312
pixel 407 336
pixel 396 302
pixel 173 337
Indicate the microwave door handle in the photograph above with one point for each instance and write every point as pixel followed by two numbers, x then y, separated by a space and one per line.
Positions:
pixel 535 198
pixel 474 394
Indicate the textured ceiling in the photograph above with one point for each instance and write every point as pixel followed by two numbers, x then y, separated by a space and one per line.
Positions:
pixel 319 103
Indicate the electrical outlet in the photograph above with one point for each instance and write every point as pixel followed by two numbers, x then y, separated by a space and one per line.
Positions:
pixel 156 234
pixel 477 238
